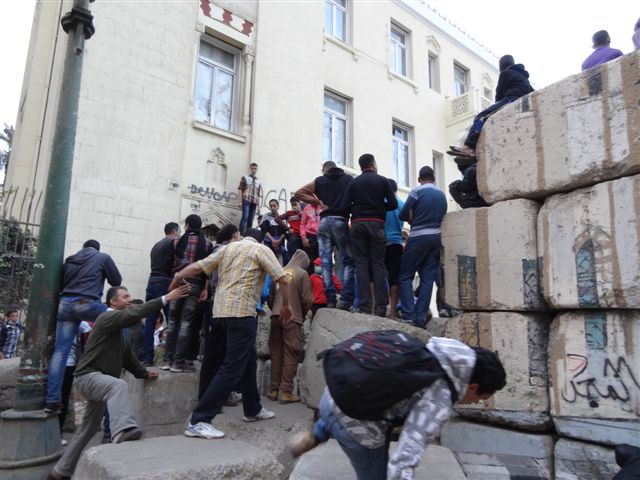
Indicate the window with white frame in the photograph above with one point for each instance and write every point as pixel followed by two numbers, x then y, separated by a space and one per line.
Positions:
pixel 434 72
pixel 398 50
pixel 216 79
pixel 335 18
pixel 334 137
pixel 460 79
pixel 400 145
pixel 438 169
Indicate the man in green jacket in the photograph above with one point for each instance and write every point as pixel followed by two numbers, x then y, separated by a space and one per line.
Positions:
pixel 98 374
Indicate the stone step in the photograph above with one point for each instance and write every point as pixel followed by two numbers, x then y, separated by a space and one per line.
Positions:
pixel 581 460
pixel 177 458
pixel 577 132
pixel 491 257
pixel 524 402
pixel 328 461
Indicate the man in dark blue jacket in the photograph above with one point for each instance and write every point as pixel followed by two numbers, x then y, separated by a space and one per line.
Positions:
pixel 424 209
pixel 82 283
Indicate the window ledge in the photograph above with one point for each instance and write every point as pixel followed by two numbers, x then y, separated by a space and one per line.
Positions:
pixel 408 81
pixel 217 131
pixel 341 44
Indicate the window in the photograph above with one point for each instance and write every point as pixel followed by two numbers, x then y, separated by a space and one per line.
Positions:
pixel 434 72
pixel 398 49
pixel 488 94
pixel 400 154
pixel 216 78
pixel 460 79
pixel 335 18
pixel 334 138
pixel 438 169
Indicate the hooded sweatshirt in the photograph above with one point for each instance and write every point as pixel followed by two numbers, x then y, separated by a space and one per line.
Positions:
pixel 300 292
pixel 423 413
pixel 84 274
pixel 513 82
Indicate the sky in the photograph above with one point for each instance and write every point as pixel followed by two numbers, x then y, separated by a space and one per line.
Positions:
pixel 550 37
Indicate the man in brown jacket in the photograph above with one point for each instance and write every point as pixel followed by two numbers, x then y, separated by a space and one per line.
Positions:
pixel 285 339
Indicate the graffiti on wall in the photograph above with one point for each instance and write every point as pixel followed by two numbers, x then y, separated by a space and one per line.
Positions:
pixel 210 193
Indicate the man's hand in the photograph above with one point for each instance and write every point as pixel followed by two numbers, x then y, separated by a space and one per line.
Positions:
pixel 285 313
pixel 152 375
pixel 176 292
pixel 305 243
pixel 203 295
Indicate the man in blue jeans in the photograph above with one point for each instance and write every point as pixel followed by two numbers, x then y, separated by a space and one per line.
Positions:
pixel 161 257
pixel 249 197
pixel 82 283
pixel 425 208
pixel 329 192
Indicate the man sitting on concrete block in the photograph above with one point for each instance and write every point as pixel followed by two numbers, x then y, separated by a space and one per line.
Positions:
pixel 97 377
pixel 421 385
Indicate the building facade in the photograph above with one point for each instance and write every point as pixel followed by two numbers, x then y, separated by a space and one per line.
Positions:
pixel 178 98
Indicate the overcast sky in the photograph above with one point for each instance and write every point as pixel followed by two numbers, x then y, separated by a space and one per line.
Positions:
pixel 551 37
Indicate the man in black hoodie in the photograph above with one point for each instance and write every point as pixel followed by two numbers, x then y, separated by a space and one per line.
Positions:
pixel 82 283
pixel 513 83
pixel 329 192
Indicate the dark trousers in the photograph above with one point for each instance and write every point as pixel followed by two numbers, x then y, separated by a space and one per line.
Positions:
pixel 368 245
pixel 67 384
pixel 215 339
pixel 157 286
pixel 239 360
pixel 183 324
pixel 312 249
pixel 294 242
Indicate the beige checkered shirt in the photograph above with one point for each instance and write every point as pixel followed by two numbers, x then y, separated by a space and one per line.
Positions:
pixel 242 267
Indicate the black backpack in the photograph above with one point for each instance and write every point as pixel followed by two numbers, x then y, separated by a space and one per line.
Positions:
pixel 371 371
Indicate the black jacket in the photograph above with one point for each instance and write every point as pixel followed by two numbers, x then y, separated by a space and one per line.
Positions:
pixel 513 82
pixel 85 272
pixel 331 188
pixel 370 196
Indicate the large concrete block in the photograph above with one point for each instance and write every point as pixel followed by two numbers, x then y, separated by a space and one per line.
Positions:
pixel 590 246
pixel 491 257
pixel 594 363
pixel 574 133
pixel 177 458
pixel 497 453
pixel 328 461
pixel 161 406
pixel 521 341
pixel 9 369
pixel 583 461
pixel 332 326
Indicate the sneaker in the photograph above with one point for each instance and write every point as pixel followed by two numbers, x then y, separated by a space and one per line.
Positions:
pixel 64 442
pixel 232 401
pixel 235 396
pixel 263 414
pixel 165 365
pixel 301 443
pixel 203 430
pixel 179 367
pixel 273 395
pixel 288 397
pixel 53 408
pixel 106 438
pixel 53 475
pixel 127 435
pixel 190 367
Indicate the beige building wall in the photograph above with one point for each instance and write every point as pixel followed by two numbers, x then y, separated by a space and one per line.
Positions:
pixel 141 157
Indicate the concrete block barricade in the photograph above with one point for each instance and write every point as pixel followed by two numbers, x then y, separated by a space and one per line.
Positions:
pixel 590 243
pixel 491 257
pixel 594 363
pixel 332 326
pixel 177 458
pixel 497 453
pixel 521 341
pixel 580 131
pixel 583 461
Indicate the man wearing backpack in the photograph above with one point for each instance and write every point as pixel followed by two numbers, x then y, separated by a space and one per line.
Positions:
pixel 430 380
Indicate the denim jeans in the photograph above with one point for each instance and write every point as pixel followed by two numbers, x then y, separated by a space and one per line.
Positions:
pixel 239 361
pixel 334 232
pixel 421 255
pixel 368 244
pixel 478 121
pixel 248 214
pixel 157 286
pixel 182 324
pixel 71 311
pixel 369 463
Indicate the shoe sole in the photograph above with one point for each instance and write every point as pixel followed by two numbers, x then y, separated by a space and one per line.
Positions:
pixel 287 402
pixel 255 419
pixel 175 370
pixel 166 369
pixel 187 433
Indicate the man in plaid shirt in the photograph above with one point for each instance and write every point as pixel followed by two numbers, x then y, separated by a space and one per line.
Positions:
pixel 249 196
pixel 10 334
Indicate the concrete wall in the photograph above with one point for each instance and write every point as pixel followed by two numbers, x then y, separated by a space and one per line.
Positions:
pixel 594 362
pixel 583 461
pixel 521 342
pixel 491 257
pixel 577 132
pixel 590 246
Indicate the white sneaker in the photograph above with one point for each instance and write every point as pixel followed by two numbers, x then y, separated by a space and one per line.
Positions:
pixel 203 430
pixel 64 442
pixel 263 414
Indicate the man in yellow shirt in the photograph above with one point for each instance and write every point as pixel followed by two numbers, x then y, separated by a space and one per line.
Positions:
pixel 242 267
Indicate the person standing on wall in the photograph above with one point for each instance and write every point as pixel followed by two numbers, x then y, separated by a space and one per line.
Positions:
pixel 249 197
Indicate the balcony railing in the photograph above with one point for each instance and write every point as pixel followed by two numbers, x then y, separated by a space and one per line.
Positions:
pixel 463 107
